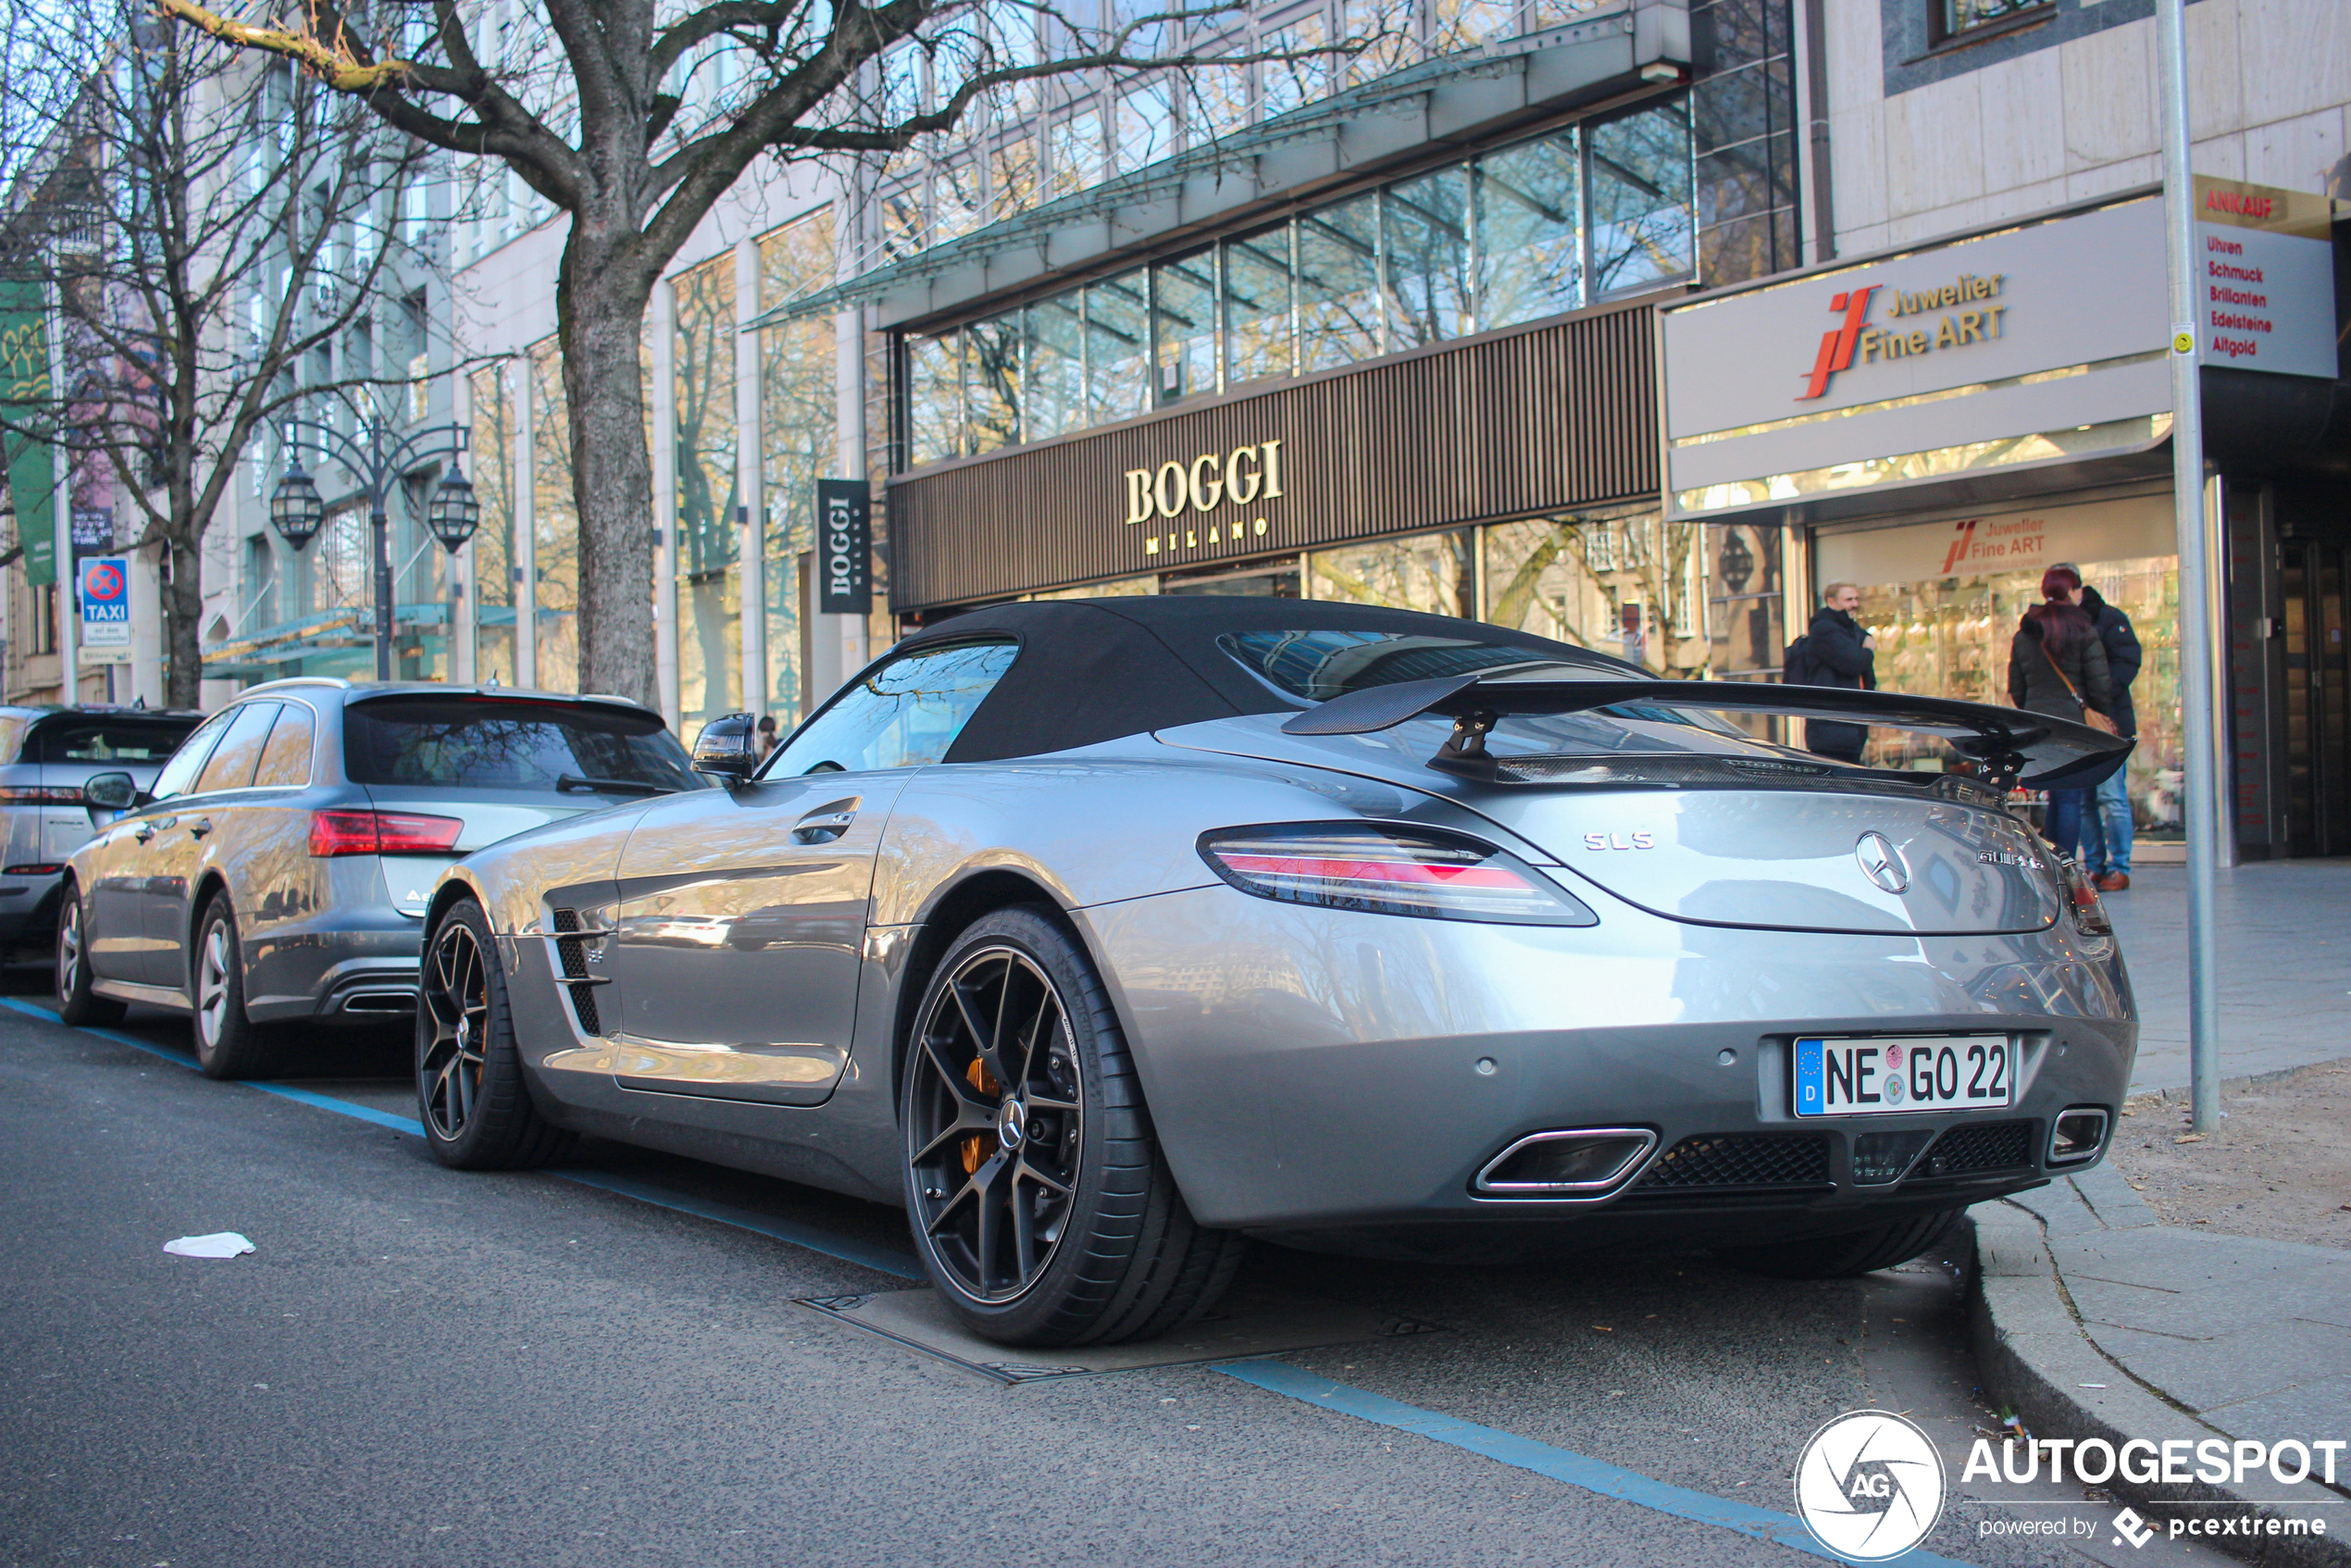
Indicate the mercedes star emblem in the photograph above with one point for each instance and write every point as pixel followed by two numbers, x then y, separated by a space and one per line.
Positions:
pixel 1882 862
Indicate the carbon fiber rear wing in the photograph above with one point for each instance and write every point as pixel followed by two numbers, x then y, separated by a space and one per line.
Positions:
pixel 2006 746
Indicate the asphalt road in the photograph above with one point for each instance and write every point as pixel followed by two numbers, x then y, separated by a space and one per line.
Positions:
pixel 421 1366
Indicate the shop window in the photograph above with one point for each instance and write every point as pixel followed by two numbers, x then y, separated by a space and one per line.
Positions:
pixel 1465 24
pixel 1257 306
pixel 1424 231
pixel 1390 25
pixel 991 382
pixel 1054 386
pixel 934 397
pixel 1290 84
pixel 1640 191
pixel 1339 320
pixel 1146 125
pixel 1954 18
pixel 493 469
pixel 1079 157
pixel 1184 315
pixel 549 604
pixel 1118 348
pixel 799 417
pixel 1530 233
pixel 41 636
pixel 1432 572
pixel 1590 580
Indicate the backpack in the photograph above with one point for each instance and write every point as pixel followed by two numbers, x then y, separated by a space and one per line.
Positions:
pixel 1796 665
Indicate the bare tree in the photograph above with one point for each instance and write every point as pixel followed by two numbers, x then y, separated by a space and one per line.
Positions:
pixel 215 229
pixel 582 99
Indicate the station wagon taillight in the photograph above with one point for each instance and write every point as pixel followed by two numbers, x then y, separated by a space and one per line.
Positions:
pixel 38 795
pixel 381 832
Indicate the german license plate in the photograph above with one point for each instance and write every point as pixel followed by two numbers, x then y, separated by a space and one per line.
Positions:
pixel 1874 1078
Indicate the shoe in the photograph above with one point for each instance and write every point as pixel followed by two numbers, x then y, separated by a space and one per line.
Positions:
pixel 2113 882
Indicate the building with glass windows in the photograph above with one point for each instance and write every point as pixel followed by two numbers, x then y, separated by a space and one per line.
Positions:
pixel 1420 326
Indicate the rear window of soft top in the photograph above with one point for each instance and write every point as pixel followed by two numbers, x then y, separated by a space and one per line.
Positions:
pixel 484 744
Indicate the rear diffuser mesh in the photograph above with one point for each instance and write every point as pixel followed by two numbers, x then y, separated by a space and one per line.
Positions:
pixel 1768 1159
pixel 1997 1146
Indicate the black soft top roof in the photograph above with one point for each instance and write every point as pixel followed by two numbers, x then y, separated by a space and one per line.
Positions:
pixel 1095 669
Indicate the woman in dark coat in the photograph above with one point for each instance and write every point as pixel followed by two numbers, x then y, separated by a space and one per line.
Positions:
pixel 2057 665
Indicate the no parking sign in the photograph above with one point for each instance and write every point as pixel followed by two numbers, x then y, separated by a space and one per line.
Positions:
pixel 104 582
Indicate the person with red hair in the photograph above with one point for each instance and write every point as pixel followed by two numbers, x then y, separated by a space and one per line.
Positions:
pixel 2058 666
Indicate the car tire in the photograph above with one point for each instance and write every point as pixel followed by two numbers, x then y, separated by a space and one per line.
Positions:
pixel 1843 1256
pixel 470 1092
pixel 77 1004
pixel 1065 1156
pixel 228 1044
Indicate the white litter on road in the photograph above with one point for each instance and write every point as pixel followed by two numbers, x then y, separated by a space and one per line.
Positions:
pixel 219 1244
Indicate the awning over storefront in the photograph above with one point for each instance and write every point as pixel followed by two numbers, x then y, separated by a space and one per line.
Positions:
pixel 1439 102
pixel 258 655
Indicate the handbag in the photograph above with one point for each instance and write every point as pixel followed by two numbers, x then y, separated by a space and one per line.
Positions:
pixel 2090 715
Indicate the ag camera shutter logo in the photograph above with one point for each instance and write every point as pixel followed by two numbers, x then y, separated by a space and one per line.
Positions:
pixel 1870 1485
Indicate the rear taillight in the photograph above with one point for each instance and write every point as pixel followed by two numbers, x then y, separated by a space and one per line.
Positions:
pixel 2082 896
pixel 381 832
pixel 38 795
pixel 1383 870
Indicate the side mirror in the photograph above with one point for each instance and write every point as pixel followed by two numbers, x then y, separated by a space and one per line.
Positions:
pixel 110 791
pixel 728 748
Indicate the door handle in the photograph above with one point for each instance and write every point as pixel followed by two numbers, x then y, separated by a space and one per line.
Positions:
pixel 822 826
pixel 200 827
pixel 144 832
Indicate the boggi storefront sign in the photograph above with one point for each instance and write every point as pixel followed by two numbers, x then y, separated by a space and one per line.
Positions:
pixel 1182 503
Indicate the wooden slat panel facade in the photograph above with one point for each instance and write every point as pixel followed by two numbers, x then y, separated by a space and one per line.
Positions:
pixel 1513 425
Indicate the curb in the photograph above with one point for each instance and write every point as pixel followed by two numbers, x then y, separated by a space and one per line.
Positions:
pixel 2033 1355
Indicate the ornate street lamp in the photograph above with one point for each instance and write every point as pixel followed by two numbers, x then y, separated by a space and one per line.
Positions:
pixel 296 510
pixel 454 514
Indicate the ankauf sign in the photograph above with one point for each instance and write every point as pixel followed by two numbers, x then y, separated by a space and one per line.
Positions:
pixel 2265 277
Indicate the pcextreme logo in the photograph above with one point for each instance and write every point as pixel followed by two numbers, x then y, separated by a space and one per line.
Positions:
pixel 1855 337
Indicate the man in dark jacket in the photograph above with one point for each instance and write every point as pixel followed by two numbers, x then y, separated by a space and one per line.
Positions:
pixel 1838 651
pixel 2106 829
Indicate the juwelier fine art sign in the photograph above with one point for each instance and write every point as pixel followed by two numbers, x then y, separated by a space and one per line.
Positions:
pixel 1510 424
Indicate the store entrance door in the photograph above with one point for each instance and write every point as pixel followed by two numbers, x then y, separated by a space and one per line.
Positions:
pixel 2318 697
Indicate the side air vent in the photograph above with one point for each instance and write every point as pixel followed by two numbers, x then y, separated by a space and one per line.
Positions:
pixel 572 941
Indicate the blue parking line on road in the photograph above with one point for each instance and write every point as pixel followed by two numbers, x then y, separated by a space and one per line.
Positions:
pixel 882 1260
pixel 1560 1464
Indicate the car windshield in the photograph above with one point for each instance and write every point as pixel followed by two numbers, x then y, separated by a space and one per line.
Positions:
pixel 488 743
pixel 109 739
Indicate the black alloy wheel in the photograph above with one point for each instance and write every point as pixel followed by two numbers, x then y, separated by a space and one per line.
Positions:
pixel 1039 1201
pixel 996 1127
pixel 77 1004
pixel 470 1094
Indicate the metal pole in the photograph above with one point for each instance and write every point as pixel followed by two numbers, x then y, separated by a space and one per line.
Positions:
pixel 2198 689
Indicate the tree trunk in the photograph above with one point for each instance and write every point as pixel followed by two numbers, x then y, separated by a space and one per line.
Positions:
pixel 183 615
pixel 601 299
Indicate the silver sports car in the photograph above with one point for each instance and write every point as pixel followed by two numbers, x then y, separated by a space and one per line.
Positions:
pixel 1102 934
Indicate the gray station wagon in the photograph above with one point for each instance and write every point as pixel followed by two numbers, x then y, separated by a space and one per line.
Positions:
pixel 46 754
pixel 278 868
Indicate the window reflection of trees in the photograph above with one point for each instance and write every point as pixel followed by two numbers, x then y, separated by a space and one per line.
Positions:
pixel 905 715
pixel 709 643
pixel 554 620
pixel 798 437
pixel 493 462
pixel 436 743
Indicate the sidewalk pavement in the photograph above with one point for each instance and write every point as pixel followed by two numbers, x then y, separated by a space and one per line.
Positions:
pixel 2093 1319
pixel 2285 967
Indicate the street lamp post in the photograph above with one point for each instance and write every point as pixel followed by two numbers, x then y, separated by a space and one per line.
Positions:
pixel 296 511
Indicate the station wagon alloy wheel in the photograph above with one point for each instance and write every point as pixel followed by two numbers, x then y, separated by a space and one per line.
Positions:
pixel 996 1122
pixel 212 985
pixel 456 1008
